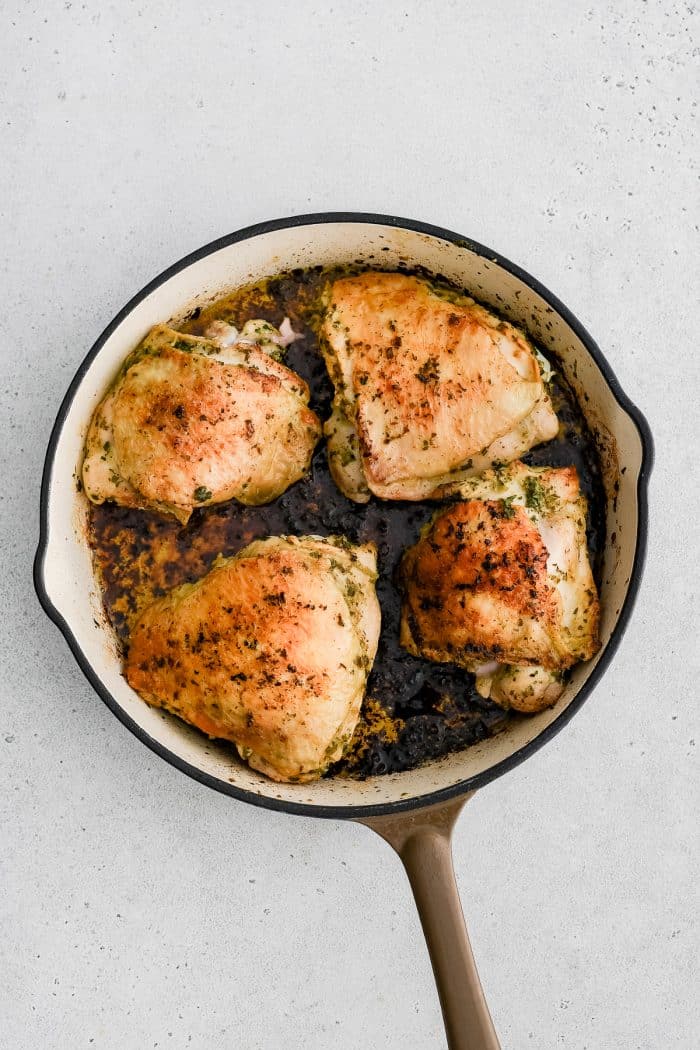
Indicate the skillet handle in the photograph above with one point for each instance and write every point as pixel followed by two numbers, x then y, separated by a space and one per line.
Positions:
pixel 422 839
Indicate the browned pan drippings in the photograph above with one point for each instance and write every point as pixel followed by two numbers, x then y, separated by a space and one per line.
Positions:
pixel 414 709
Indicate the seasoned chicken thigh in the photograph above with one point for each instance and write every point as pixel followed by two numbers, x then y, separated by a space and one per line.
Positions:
pixel 428 390
pixel 501 584
pixel 271 650
pixel 191 421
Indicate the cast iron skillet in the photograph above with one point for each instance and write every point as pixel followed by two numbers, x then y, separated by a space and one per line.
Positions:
pixel 413 810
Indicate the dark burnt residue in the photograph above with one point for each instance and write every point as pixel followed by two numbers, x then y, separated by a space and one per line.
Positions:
pixel 414 709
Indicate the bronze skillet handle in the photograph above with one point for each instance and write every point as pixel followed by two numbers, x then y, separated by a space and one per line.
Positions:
pixel 422 839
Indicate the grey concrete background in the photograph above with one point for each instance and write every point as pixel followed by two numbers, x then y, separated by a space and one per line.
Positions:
pixel 141 910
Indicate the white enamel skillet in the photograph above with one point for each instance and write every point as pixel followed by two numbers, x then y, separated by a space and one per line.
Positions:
pixel 415 810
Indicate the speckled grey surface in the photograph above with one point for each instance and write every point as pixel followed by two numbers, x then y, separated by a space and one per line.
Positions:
pixel 141 910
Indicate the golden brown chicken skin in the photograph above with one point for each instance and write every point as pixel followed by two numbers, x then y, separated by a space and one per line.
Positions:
pixel 190 422
pixel 427 390
pixel 271 650
pixel 500 583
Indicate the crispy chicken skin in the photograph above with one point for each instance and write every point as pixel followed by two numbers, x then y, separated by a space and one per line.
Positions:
pixel 500 583
pixel 271 650
pixel 191 421
pixel 428 390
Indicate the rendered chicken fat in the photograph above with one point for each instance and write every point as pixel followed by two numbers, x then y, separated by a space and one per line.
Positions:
pixel 416 709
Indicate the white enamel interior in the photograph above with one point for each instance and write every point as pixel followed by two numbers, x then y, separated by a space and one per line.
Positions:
pixel 68 574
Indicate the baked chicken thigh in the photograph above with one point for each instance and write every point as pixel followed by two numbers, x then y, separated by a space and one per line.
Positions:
pixel 191 421
pixel 428 389
pixel 501 584
pixel 271 650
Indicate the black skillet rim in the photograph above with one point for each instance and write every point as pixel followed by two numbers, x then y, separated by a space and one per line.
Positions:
pixel 463 786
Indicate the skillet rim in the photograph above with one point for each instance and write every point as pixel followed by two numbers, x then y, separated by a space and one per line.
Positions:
pixel 461 787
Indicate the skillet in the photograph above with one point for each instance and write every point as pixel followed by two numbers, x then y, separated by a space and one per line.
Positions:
pixel 413 810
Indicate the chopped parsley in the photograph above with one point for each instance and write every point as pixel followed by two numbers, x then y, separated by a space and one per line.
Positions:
pixel 508 508
pixel 538 497
pixel 202 494
pixel 500 469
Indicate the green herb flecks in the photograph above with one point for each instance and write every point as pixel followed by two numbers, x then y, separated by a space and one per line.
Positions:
pixel 508 510
pixel 538 497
